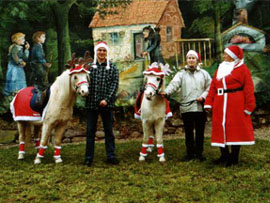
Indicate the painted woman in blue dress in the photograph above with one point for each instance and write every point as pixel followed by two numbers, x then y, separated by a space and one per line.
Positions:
pixel 15 77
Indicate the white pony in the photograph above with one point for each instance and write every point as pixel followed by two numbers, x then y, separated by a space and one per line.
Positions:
pixel 153 109
pixel 59 109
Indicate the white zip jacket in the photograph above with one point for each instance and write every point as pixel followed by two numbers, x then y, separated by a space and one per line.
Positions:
pixel 193 84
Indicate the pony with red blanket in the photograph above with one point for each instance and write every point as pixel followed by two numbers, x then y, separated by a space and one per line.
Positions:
pixel 58 111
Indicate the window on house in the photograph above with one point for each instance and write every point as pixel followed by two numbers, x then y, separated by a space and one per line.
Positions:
pixel 138 45
pixel 169 34
pixel 114 38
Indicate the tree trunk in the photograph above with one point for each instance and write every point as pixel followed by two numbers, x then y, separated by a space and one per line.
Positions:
pixel 61 12
pixel 219 45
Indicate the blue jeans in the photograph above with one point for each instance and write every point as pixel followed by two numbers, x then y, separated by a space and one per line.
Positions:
pixel 107 119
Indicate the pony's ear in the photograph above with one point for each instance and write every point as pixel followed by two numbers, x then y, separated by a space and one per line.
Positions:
pixel 81 61
pixel 87 57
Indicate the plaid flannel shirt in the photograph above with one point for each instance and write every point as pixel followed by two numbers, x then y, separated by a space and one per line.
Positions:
pixel 103 86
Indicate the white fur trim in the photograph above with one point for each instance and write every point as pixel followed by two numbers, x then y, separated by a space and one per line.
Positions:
pixel 207 106
pixel 144 145
pixel 151 145
pixel 151 136
pixel 159 145
pixel 240 143
pixel 39 156
pixel 217 144
pixel 137 116
pixel 168 115
pixel 152 72
pixel 143 154
pixel 43 147
pixel 57 147
pixel 231 54
pixel 21 143
pixel 247 112
pixel 161 155
pixel 21 152
pixel 57 157
pixel 193 53
pixel 101 45
pixel 224 109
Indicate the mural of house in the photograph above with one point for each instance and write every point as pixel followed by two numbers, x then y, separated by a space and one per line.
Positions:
pixel 247 37
pixel 123 31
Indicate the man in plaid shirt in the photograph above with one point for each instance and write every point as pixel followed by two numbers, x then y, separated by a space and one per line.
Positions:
pixel 102 95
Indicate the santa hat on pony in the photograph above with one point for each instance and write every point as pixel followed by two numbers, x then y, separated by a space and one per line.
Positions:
pixel 154 69
pixel 236 53
pixel 101 44
pixel 77 69
pixel 196 54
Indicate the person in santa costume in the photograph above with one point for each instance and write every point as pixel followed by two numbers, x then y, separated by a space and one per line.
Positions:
pixel 231 100
pixel 104 78
pixel 194 83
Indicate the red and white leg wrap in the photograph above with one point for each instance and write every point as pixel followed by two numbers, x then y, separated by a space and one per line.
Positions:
pixel 37 141
pixel 160 150
pixel 41 151
pixel 151 141
pixel 57 150
pixel 21 148
pixel 143 151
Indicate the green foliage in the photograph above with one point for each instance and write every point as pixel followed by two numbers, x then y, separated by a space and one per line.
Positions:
pixel 198 27
pixel 263 93
pixel 131 181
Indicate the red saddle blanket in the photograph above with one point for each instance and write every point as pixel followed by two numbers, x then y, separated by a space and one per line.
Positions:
pixel 20 106
pixel 137 107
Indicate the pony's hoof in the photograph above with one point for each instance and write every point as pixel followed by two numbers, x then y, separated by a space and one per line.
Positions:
pixel 162 159
pixel 21 156
pixel 58 160
pixel 149 149
pixel 141 158
pixel 37 161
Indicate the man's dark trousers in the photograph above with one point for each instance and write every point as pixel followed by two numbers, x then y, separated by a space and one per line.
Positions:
pixel 107 119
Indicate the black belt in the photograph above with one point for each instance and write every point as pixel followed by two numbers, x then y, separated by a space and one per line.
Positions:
pixel 221 91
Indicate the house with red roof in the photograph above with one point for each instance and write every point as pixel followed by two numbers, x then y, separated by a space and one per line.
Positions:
pixel 123 30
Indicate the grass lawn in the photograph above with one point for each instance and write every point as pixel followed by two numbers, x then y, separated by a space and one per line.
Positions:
pixel 131 181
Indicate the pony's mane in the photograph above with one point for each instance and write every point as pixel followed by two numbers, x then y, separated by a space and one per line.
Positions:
pixel 62 81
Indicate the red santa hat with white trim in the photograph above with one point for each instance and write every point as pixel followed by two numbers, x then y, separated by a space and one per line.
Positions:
pixel 196 54
pixel 101 44
pixel 235 52
pixel 154 69
pixel 77 69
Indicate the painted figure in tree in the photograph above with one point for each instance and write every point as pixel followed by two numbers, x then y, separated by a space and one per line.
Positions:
pixel 18 54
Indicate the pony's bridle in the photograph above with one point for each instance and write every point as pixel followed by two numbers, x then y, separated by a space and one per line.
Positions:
pixel 153 86
pixel 77 85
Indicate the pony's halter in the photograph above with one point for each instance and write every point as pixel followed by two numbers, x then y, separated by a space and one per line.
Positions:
pixel 153 86
pixel 80 83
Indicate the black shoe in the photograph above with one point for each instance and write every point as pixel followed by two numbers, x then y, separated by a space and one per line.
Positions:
pixel 88 163
pixel 231 162
pixel 220 160
pixel 188 157
pixel 113 161
pixel 201 157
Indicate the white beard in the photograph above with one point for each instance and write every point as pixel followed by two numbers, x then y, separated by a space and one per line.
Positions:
pixel 224 69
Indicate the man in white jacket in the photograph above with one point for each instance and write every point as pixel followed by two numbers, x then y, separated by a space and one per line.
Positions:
pixel 194 83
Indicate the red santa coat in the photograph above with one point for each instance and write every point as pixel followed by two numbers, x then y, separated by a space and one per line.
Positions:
pixel 231 122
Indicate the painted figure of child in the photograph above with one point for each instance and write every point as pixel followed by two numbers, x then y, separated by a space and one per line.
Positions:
pixel 39 66
pixel 18 54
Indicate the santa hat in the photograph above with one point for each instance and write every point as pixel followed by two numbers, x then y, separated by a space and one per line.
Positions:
pixel 235 52
pixel 196 54
pixel 154 70
pixel 101 44
pixel 77 69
